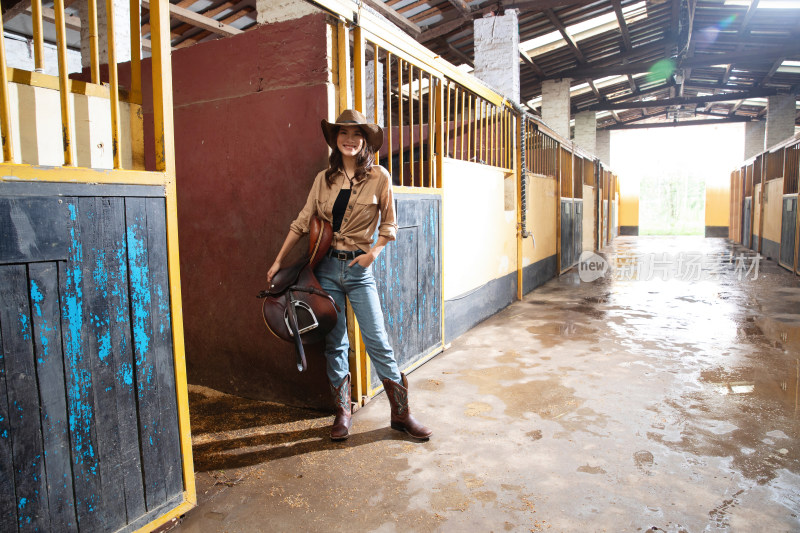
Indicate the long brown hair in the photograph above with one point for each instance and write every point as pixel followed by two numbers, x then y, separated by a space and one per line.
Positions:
pixel 364 160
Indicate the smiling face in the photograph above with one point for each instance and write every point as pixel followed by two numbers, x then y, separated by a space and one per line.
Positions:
pixel 350 140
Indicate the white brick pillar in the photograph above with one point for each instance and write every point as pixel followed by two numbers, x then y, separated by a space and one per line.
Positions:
pixel 604 146
pixel 272 11
pixel 556 105
pixel 369 92
pixel 497 53
pixel 586 130
pixel 122 32
pixel 754 138
pixel 781 110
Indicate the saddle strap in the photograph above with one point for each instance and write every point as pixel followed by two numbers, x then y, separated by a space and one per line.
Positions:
pixel 318 292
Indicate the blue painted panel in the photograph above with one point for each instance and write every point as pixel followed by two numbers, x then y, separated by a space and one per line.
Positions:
pixel 94 444
pixel 408 276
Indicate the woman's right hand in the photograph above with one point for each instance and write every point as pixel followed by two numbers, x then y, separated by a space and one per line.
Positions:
pixel 272 271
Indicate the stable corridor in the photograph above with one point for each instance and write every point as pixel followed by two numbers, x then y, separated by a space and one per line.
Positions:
pixel 663 397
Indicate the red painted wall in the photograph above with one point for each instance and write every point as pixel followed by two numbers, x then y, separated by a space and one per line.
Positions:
pixel 248 145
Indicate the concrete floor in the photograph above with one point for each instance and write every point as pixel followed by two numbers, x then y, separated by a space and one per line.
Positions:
pixel 615 405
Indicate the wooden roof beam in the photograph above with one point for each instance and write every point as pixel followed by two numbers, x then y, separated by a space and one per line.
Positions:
pixel 697 61
pixel 461 6
pixel 567 37
pixel 703 122
pixel 396 18
pixel 198 20
pixel 751 11
pixel 756 93
pixel 623 26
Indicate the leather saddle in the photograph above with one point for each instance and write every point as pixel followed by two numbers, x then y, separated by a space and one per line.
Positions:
pixel 296 309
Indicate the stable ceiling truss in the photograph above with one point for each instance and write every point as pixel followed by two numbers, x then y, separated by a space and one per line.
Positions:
pixel 632 61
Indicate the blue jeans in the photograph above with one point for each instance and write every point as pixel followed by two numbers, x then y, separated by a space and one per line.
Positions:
pixel 357 284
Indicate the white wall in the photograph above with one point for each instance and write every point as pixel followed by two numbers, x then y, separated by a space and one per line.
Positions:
pixel 478 235
pixel 36 129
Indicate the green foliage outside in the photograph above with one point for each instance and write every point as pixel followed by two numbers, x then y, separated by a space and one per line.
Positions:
pixel 672 203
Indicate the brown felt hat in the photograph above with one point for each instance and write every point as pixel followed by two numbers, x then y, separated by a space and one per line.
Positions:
pixel 351 117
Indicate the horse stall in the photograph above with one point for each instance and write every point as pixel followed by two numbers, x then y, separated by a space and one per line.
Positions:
pixel 94 429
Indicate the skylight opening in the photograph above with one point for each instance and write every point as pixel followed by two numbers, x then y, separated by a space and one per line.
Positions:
pixel 766 4
pixel 582 30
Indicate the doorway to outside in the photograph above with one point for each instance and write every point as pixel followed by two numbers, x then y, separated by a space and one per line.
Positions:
pixel 669 169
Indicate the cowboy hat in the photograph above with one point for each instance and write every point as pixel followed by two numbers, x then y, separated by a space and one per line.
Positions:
pixel 351 117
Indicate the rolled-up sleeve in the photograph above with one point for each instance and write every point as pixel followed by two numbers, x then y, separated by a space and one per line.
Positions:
pixel 388 225
pixel 301 224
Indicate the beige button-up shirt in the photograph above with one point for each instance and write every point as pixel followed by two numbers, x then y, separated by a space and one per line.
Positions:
pixel 371 206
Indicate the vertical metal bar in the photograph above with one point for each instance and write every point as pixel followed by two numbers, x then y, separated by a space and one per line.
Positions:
pixel 5 108
pixel 375 88
pixel 463 106
pixel 165 161
pixel 420 129
pixel 359 59
pixel 38 35
pixel 113 83
pixel 469 130
pixel 94 55
pixel 440 123
pixel 343 41
pixel 63 84
pixel 447 119
pixel 401 149
pixel 493 129
pixel 411 122
pixel 390 151
pixel 432 124
pixel 485 130
pixel 136 52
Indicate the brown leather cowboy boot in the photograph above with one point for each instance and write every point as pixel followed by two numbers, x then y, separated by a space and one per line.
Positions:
pixel 343 409
pixel 401 417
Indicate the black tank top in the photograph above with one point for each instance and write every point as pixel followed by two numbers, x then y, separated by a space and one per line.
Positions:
pixel 339 208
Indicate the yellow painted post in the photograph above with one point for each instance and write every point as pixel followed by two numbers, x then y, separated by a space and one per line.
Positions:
pixel 359 60
pixel 463 105
pixel 164 131
pixel 421 135
pixel 411 122
pixel 63 84
pixel 113 83
pixel 375 64
pixel 400 117
pixel 390 151
pixel 343 41
pixel 5 109
pixel 38 35
pixel 520 175
pixel 136 52
pixel 447 120
pixel 469 130
pixel 433 123
pixel 357 357
pixel 94 55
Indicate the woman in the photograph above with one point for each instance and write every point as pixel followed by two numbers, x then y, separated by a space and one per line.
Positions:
pixel 355 196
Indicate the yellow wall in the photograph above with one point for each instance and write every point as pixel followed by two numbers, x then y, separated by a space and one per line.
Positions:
pixel 541 220
pixel 36 129
pixel 628 204
pixel 756 207
pixel 589 205
pixel 718 205
pixel 773 208
pixel 479 241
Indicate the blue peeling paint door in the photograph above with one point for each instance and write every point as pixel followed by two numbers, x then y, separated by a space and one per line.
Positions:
pixel 746 223
pixel 88 414
pixel 788 228
pixel 409 280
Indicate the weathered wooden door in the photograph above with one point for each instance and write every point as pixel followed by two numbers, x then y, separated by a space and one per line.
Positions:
pixel 788 229
pixel 747 223
pixel 409 279
pixel 88 405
